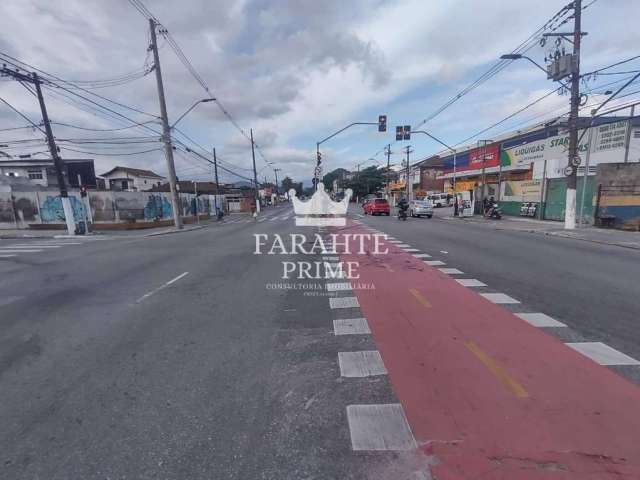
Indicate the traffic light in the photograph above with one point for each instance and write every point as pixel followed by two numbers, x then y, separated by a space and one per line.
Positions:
pixel 382 123
pixel 407 132
pixel 319 158
pixel 399 133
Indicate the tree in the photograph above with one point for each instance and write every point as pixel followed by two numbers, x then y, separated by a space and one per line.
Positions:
pixel 328 179
pixel 367 181
pixel 287 184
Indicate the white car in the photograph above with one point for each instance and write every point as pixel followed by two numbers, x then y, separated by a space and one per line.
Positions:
pixel 419 208
pixel 439 200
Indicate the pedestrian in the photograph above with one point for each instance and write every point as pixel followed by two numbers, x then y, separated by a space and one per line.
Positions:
pixel 455 205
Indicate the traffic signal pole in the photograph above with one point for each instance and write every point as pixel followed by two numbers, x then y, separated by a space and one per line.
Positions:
pixel 255 175
pixel 382 127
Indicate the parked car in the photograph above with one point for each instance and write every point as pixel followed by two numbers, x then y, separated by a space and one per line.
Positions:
pixel 439 200
pixel 376 206
pixel 419 208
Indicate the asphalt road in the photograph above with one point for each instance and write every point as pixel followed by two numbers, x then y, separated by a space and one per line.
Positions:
pixel 107 371
pixel 592 288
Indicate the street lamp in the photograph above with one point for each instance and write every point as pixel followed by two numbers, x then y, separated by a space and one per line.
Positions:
pixel 204 100
pixel 518 56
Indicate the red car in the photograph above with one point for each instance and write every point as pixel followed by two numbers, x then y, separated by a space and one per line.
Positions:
pixel 376 206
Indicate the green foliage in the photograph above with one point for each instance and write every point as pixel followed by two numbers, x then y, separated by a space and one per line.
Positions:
pixel 287 184
pixel 339 174
pixel 369 180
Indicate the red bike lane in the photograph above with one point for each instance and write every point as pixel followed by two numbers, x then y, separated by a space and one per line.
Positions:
pixel 486 394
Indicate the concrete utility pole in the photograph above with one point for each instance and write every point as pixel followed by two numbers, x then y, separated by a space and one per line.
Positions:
pixel 166 130
pixel 574 160
pixel 409 186
pixel 215 170
pixel 57 161
pixel 255 175
pixel 388 152
pixel 195 190
pixel 275 171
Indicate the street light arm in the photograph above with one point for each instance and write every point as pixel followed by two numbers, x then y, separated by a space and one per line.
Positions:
pixel 343 129
pixel 517 56
pixel 434 138
pixel 205 100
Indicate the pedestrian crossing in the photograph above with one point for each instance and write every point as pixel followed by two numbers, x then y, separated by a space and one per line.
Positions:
pixel 10 249
pixel 261 218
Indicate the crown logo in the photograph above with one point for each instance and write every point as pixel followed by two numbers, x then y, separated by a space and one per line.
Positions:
pixel 320 210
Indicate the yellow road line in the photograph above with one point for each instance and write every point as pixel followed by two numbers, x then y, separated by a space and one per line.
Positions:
pixel 423 301
pixel 502 376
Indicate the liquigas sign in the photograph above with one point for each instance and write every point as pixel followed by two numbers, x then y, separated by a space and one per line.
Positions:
pixel 605 138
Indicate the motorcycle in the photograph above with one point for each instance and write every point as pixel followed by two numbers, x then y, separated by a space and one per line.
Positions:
pixel 494 212
pixel 402 214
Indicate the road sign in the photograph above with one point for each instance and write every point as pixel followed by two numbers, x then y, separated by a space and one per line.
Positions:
pixel 568 170
pixel 576 161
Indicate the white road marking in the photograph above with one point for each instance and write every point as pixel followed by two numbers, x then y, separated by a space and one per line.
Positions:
pixel 331 258
pixel 343 302
pixel 451 271
pixel 361 364
pixel 8 300
pixel 379 427
pixel 540 320
pixel 470 282
pixel 444 251
pixel 339 287
pixel 603 354
pixel 4 250
pixel 499 298
pixel 410 250
pixel 403 245
pixel 434 263
pixel 351 326
pixel 6 256
pixel 422 255
pixel 32 246
pixel 395 241
pixel 162 287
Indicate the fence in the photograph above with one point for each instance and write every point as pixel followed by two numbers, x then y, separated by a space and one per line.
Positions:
pixel 41 208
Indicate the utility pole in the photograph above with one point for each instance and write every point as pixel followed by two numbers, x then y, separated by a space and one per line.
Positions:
pixel 215 170
pixel 574 160
pixel 388 152
pixel 255 175
pixel 409 186
pixel 276 170
pixel 166 130
pixel 53 149
pixel 57 161
pixel 195 200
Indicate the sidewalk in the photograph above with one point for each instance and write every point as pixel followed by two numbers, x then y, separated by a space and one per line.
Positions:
pixel 16 234
pixel 604 236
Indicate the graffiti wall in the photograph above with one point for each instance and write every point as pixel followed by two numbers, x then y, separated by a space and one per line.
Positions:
pixel 21 209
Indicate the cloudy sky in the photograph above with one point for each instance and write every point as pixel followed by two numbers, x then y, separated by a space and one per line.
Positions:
pixel 295 71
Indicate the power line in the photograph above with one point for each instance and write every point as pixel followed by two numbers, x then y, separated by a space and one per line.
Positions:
pixel 22 115
pixel 111 154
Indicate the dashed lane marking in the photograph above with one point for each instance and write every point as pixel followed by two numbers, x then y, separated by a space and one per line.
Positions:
pixel 6 256
pixel 470 282
pixel 422 255
pixel 339 287
pixel 379 427
pixel 403 245
pixel 420 298
pixel 451 271
pixel 361 364
pixel 444 251
pixel 351 326
pixel 343 302
pixel 603 354
pixel 499 298
pixel 434 263
pixel 331 258
pixel 540 320
pixel 410 250
pixel 497 371
pixel 35 245
pixel 395 241
pixel 162 287
pixel 3 250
